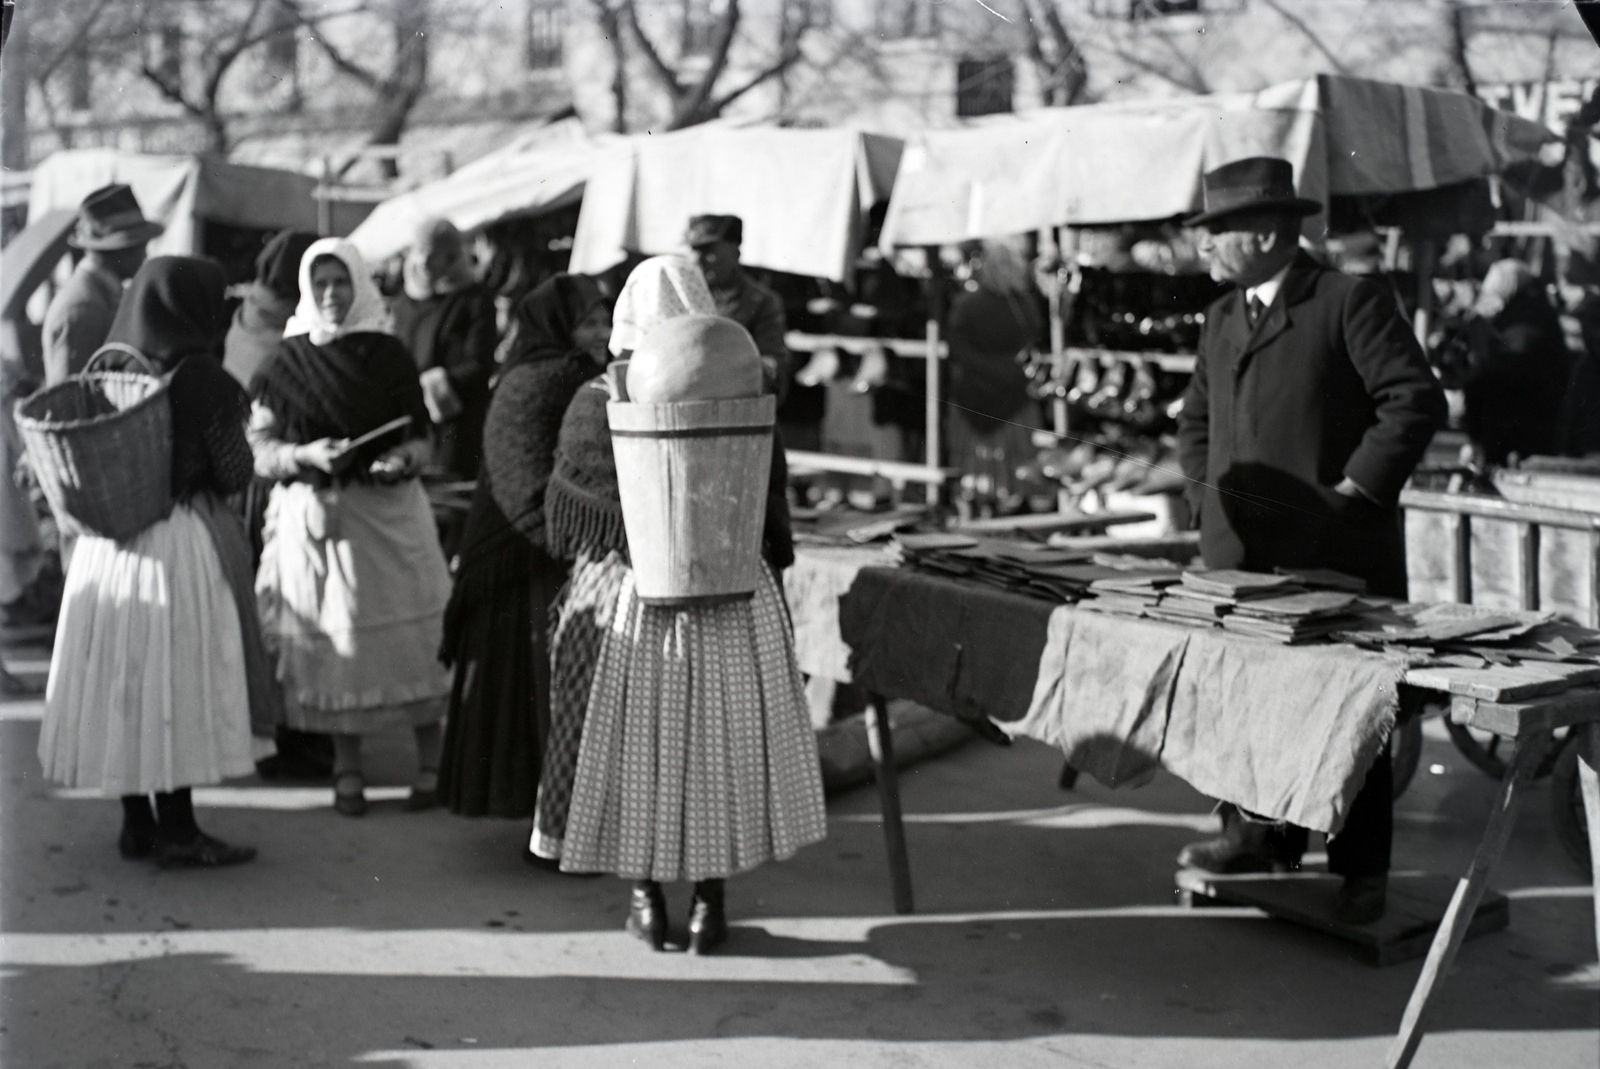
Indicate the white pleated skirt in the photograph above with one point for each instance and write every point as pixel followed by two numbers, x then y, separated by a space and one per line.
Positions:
pixel 147 684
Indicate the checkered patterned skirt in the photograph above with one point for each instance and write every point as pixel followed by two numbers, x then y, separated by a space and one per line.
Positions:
pixel 695 756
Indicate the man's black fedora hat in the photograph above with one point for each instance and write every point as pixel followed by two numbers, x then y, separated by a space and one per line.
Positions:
pixel 110 219
pixel 1259 183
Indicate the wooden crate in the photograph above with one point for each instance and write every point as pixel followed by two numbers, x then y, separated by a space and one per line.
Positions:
pixel 1502 554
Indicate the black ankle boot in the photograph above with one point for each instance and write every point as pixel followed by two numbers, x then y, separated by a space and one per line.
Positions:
pixel 708 922
pixel 138 836
pixel 647 914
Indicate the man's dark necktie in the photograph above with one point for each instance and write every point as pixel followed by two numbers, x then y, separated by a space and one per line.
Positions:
pixel 1255 310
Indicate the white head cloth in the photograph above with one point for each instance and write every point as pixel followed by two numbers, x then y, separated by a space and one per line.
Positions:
pixel 367 312
pixel 661 288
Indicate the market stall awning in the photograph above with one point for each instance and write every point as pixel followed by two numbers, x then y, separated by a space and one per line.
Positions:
pixel 179 192
pixel 803 195
pixel 29 257
pixel 1128 162
pixel 539 172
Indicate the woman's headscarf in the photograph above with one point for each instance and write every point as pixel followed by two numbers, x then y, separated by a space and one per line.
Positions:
pixel 278 263
pixel 545 319
pixel 174 307
pixel 661 288
pixel 437 262
pixel 366 310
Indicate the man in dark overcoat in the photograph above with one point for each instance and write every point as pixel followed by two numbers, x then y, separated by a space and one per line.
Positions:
pixel 1310 405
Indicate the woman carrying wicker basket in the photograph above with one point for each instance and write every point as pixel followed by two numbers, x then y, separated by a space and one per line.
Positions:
pixel 352 585
pixel 158 679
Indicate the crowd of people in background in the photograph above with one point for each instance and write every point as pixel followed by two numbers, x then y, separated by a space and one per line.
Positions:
pixel 302 593
pixel 313 595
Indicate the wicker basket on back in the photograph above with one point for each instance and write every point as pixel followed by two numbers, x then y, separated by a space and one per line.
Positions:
pixel 100 444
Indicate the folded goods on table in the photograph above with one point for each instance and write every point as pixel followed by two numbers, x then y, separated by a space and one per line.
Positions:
pixel 1288 630
pixel 1308 605
pixel 1324 579
pixel 850 526
pixel 1233 584
pixel 1408 624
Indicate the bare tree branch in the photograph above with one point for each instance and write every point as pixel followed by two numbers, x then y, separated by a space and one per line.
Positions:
pixel 43 69
pixel 652 55
pixel 343 62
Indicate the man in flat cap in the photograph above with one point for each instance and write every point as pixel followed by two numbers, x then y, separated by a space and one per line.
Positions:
pixel 112 232
pixel 1310 405
pixel 715 241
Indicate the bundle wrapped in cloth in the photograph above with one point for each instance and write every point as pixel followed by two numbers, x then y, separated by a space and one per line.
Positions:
pixel 692 437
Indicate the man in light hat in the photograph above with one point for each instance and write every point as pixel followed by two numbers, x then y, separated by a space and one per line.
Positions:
pixel 1310 405
pixel 112 232
pixel 715 241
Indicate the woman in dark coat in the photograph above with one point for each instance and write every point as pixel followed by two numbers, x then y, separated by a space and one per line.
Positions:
pixel 495 626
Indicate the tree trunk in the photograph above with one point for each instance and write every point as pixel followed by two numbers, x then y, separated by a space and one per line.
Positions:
pixel 14 97
pixel 400 92
pixel 611 27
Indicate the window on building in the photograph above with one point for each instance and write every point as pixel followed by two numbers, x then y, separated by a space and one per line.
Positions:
pixel 80 79
pixel 1140 10
pixel 906 18
pixel 546 30
pixel 167 61
pixel 984 86
pixel 817 14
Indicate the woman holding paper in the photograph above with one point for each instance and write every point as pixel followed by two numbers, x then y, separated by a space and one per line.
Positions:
pixel 352 585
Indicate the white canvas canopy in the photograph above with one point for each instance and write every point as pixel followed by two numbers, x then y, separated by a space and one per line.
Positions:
pixel 539 172
pixel 1127 162
pixel 180 192
pixel 803 195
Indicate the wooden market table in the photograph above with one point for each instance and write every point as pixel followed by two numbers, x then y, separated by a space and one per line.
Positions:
pixel 1524 705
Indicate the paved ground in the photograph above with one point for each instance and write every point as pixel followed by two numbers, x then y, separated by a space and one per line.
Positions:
pixel 1046 935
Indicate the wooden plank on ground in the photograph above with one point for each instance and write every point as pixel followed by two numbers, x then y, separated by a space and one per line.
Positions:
pixel 1416 904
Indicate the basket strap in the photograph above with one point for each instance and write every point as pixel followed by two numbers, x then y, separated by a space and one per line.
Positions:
pixel 126 350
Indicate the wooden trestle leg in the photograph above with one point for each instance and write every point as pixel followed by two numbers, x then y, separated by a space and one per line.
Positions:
pixel 880 740
pixel 1469 892
pixel 1589 784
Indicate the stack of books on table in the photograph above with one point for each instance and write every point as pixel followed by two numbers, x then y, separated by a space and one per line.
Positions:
pixel 1132 594
pixel 1292 618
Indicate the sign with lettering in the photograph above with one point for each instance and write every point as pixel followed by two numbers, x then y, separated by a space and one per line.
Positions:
pixel 1550 103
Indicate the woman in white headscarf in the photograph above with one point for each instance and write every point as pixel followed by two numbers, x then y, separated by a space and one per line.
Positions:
pixel 352 585
pixel 681 747
pixel 659 289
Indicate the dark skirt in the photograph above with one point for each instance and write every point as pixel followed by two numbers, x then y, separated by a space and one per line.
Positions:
pixel 496 638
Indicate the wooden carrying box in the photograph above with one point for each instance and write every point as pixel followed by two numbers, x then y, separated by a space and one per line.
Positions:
pixel 693 477
pixel 1503 554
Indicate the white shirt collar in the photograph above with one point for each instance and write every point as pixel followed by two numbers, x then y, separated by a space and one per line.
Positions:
pixel 1267 292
